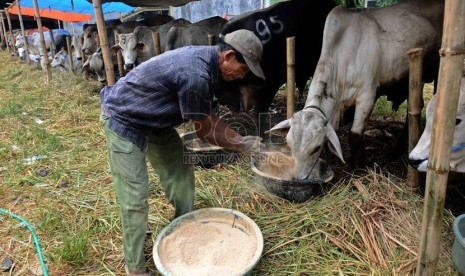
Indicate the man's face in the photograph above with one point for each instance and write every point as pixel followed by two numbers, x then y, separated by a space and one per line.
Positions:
pixel 231 69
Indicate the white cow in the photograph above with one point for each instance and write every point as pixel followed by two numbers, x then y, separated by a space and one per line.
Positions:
pixel 38 59
pixel 61 62
pixel 137 46
pixel 418 158
pixel 361 51
pixel 95 64
pixel 35 46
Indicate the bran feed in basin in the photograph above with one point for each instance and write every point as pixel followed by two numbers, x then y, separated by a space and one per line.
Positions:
pixel 210 241
pixel 275 171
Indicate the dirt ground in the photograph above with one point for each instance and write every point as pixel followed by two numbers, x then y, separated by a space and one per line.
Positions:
pixel 381 135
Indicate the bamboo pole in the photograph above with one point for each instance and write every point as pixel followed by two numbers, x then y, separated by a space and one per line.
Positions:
pixel 70 54
pixel 102 33
pixel 13 41
pixel 85 71
pixel 4 32
pixel 42 41
pixel 119 57
pixel 414 108
pixel 156 43
pixel 53 47
pixel 26 45
pixel 452 54
pixel 290 42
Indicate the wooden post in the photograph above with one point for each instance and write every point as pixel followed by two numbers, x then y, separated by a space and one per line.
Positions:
pixel 85 72
pixel 450 70
pixel 102 33
pixel 13 40
pixel 414 108
pixel 53 47
pixel 4 32
pixel 42 41
pixel 70 53
pixel 290 42
pixel 26 45
pixel 156 43
pixel 119 57
pixel 211 39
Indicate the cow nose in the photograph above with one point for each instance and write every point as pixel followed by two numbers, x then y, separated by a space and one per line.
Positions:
pixel 416 162
pixel 129 66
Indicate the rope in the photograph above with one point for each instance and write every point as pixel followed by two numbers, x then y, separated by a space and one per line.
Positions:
pixel 457 147
pixel 34 236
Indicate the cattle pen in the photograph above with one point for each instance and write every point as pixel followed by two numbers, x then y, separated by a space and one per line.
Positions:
pixel 365 223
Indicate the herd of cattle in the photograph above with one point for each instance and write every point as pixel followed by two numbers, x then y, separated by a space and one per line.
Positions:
pixel 354 56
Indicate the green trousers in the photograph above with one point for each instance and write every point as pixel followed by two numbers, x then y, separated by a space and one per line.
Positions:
pixel 128 166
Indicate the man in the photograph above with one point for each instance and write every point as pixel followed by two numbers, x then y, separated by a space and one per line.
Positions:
pixel 140 112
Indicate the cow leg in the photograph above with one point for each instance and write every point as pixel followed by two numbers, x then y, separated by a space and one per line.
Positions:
pixel 357 150
pixel 364 106
pixel 401 143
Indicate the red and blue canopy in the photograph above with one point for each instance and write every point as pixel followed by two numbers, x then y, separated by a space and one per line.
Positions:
pixel 66 10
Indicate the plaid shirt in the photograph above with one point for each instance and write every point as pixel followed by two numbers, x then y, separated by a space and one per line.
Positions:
pixel 162 92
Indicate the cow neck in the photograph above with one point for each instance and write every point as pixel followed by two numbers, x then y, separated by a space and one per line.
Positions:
pixel 311 107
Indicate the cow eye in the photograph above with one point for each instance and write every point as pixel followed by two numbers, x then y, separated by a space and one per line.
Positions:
pixel 458 121
pixel 315 150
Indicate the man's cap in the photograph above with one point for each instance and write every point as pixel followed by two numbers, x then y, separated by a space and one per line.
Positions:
pixel 251 48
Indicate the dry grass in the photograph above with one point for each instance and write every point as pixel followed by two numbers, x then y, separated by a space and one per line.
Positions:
pixel 364 225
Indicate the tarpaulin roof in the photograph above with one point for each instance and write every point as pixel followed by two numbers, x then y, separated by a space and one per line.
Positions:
pixel 66 10
pixel 151 3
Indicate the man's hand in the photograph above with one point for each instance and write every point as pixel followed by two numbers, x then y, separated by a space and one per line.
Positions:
pixel 252 144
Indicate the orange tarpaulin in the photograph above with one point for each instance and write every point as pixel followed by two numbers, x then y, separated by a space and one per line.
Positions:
pixel 55 14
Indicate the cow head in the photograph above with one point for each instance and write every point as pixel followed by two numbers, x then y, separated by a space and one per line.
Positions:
pixel 307 131
pixel 19 41
pixel 22 53
pixel 95 64
pixel 91 39
pixel 60 61
pixel 419 156
pixel 129 46
pixel 76 45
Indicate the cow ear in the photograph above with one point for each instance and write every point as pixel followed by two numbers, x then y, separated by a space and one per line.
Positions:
pixel 333 142
pixel 114 49
pixel 280 129
pixel 141 46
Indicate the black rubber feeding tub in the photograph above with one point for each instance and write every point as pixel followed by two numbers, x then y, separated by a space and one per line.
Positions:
pixel 203 154
pixel 279 179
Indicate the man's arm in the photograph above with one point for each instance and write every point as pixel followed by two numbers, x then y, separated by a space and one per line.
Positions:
pixel 215 131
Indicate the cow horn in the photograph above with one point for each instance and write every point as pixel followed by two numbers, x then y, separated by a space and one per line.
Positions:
pixel 333 142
